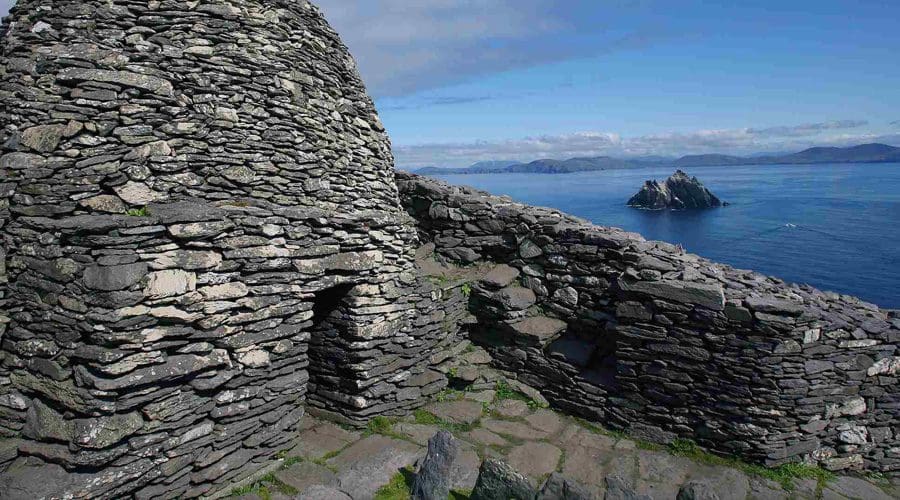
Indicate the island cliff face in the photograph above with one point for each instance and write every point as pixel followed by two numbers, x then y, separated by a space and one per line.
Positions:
pixel 202 238
pixel 679 192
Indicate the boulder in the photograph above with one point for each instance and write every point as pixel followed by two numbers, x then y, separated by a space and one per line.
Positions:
pixel 558 487
pixel 618 489
pixel 433 479
pixel 498 481
pixel 679 192
pixel 697 490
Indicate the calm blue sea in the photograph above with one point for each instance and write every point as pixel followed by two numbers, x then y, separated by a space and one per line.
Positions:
pixel 836 227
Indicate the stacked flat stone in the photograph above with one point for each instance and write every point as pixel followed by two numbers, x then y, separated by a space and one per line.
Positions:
pixel 200 230
pixel 645 337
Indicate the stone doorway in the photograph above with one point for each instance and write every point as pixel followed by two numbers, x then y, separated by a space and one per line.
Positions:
pixel 329 372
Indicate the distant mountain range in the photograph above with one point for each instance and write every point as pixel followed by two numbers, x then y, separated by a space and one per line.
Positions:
pixel 866 153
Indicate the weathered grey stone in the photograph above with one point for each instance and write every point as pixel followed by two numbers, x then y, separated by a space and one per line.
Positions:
pixel 152 149
pixel 539 330
pixel 500 276
pixel 697 490
pixel 529 250
pixel 103 432
pixel 510 408
pixel 43 138
pixel 111 278
pixel 145 82
pixel 852 487
pixel 618 489
pixel 304 475
pixel 535 459
pixel 499 481
pixel 515 430
pixel 162 284
pixel 567 296
pixel 199 230
pixel 708 296
pixel 558 487
pixel 433 479
pixel 27 482
pixel 44 423
pixel 322 440
pixel 372 462
pixel 773 306
pixel 189 260
pixel 138 193
pixel 104 203
pixel 320 492
pixel 516 298
pixel 173 368
pixel 460 412
pixel 227 291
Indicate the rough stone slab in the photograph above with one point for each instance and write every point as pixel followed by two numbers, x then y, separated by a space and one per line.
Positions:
pixel 43 138
pixel 112 278
pixel 545 420
pixel 322 440
pixel 459 412
pixel 320 492
pixel 516 298
pixel 852 487
pixel 485 437
pixel 516 430
pixel 370 463
pixel 725 482
pixel 417 433
pixel 685 292
pixel 497 480
pixel 539 329
pixel 558 487
pixel 620 489
pixel 465 469
pixel 774 306
pixel 500 276
pixel 145 82
pixel 173 368
pixel 31 482
pixel 302 475
pixel 511 408
pixel 534 459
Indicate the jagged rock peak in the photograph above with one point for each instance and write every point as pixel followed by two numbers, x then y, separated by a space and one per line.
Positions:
pixel 679 192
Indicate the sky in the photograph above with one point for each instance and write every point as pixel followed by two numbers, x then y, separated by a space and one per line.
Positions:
pixel 460 81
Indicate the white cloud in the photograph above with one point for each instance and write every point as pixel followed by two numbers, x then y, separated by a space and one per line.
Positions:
pixel 585 144
pixel 405 46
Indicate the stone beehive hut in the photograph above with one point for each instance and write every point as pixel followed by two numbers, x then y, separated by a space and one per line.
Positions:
pixel 201 232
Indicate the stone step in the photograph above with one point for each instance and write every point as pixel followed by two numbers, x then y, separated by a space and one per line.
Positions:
pixel 539 330
pixel 500 277
pixel 516 298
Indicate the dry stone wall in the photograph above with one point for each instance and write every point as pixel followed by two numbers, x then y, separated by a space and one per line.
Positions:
pixel 201 239
pixel 664 344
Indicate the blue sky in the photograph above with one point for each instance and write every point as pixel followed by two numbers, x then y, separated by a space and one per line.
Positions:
pixel 458 81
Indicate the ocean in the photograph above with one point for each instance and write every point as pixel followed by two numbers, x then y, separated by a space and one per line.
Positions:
pixel 836 227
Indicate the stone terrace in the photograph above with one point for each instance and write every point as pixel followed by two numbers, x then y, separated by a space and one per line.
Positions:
pixel 536 442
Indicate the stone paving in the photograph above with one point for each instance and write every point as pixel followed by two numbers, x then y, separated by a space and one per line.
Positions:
pixel 344 463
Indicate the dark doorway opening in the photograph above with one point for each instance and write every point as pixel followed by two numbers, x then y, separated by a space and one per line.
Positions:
pixel 327 302
pixel 329 354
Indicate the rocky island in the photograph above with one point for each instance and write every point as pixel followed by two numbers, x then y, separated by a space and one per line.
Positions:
pixel 679 192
